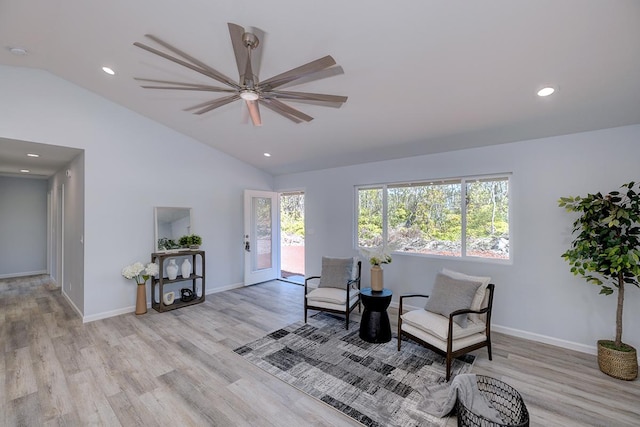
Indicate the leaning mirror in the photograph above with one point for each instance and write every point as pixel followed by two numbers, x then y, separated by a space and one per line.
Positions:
pixel 171 224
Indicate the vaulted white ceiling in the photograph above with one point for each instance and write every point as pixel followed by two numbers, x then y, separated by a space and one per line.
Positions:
pixel 421 76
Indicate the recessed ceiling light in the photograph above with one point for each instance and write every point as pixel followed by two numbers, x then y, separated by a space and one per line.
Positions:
pixel 33 155
pixel 108 71
pixel 18 51
pixel 546 91
pixel 25 170
pixel 267 155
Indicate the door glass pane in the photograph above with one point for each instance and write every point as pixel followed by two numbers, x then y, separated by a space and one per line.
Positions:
pixel 292 236
pixel 262 232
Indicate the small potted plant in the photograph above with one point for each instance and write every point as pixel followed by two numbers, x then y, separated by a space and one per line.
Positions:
pixel 192 241
pixel 606 252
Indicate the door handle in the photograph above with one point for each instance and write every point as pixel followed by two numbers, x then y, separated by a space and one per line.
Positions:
pixel 247 246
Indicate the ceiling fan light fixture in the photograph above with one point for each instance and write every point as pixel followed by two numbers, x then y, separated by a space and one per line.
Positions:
pixel 249 95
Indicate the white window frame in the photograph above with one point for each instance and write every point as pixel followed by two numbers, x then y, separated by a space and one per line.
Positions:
pixel 463 196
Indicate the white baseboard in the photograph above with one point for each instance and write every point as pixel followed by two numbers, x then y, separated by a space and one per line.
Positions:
pixel 112 313
pixel 130 309
pixel 75 307
pixel 582 348
pixel 28 273
pixel 224 288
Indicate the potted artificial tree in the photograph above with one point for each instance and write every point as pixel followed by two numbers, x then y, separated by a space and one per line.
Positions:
pixel 606 252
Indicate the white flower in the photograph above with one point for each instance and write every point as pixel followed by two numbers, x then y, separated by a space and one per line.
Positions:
pixel 377 255
pixel 139 272
pixel 152 269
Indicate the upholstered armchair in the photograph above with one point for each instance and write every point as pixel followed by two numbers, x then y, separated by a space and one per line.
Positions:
pixel 456 319
pixel 338 290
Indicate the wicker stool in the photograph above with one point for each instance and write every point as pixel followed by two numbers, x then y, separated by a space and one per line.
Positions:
pixel 504 398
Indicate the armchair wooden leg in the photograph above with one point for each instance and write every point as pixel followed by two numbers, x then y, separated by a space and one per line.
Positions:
pixel 489 349
pixel 346 326
pixel 448 367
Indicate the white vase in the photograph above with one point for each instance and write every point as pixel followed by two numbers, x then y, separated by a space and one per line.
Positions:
pixel 172 269
pixel 186 269
pixel 376 278
pixel 168 298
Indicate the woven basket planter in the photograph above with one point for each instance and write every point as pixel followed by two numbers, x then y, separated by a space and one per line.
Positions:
pixel 504 398
pixel 622 365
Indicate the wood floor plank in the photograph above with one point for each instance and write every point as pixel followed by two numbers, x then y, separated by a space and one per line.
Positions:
pixel 53 392
pixel 20 379
pixel 93 407
pixel 179 368
pixel 24 411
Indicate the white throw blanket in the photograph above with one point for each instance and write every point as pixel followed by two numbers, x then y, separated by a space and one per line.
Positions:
pixel 439 400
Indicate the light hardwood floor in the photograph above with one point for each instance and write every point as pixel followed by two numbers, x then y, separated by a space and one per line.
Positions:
pixel 178 368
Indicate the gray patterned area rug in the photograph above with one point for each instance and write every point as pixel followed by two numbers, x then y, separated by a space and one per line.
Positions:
pixel 374 384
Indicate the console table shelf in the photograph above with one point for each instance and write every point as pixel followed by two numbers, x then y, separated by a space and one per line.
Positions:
pixel 196 278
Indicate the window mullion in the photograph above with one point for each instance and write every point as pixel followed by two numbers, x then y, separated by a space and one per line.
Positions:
pixel 385 226
pixel 463 222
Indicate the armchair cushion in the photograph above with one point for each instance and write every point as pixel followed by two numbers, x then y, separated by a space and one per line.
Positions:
pixel 336 272
pixel 457 344
pixel 481 294
pixel 354 269
pixel 331 295
pixel 449 295
pixel 438 325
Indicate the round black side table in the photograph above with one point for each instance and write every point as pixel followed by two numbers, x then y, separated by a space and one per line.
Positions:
pixel 374 325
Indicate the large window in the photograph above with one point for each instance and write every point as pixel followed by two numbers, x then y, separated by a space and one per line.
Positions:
pixel 465 217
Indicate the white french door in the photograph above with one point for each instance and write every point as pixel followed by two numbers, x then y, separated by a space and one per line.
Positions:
pixel 260 236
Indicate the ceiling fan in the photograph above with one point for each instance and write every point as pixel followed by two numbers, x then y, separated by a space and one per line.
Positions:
pixel 248 88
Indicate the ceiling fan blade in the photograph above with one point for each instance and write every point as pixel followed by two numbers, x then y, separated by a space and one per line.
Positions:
pixel 206 70
pixel 211 105
pixel 256 52
pixel 298 72
pixel 290 110
pixel 305 96
pixel 254 112
pixel 318 75
pixel 267 103
pixel 219 76
pixel 239 49
pixel 182 85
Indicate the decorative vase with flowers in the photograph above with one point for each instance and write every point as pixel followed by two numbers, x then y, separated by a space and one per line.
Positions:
pixel 377 257
pixel 140 274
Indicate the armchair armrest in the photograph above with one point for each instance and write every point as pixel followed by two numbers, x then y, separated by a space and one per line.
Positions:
pixel 468 311
pixel 402 297
pixel 306 281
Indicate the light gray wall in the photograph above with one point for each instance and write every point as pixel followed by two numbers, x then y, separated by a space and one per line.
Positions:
pixel 23 226
pixel 72 226
pixel 130 167
pixel 536 295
